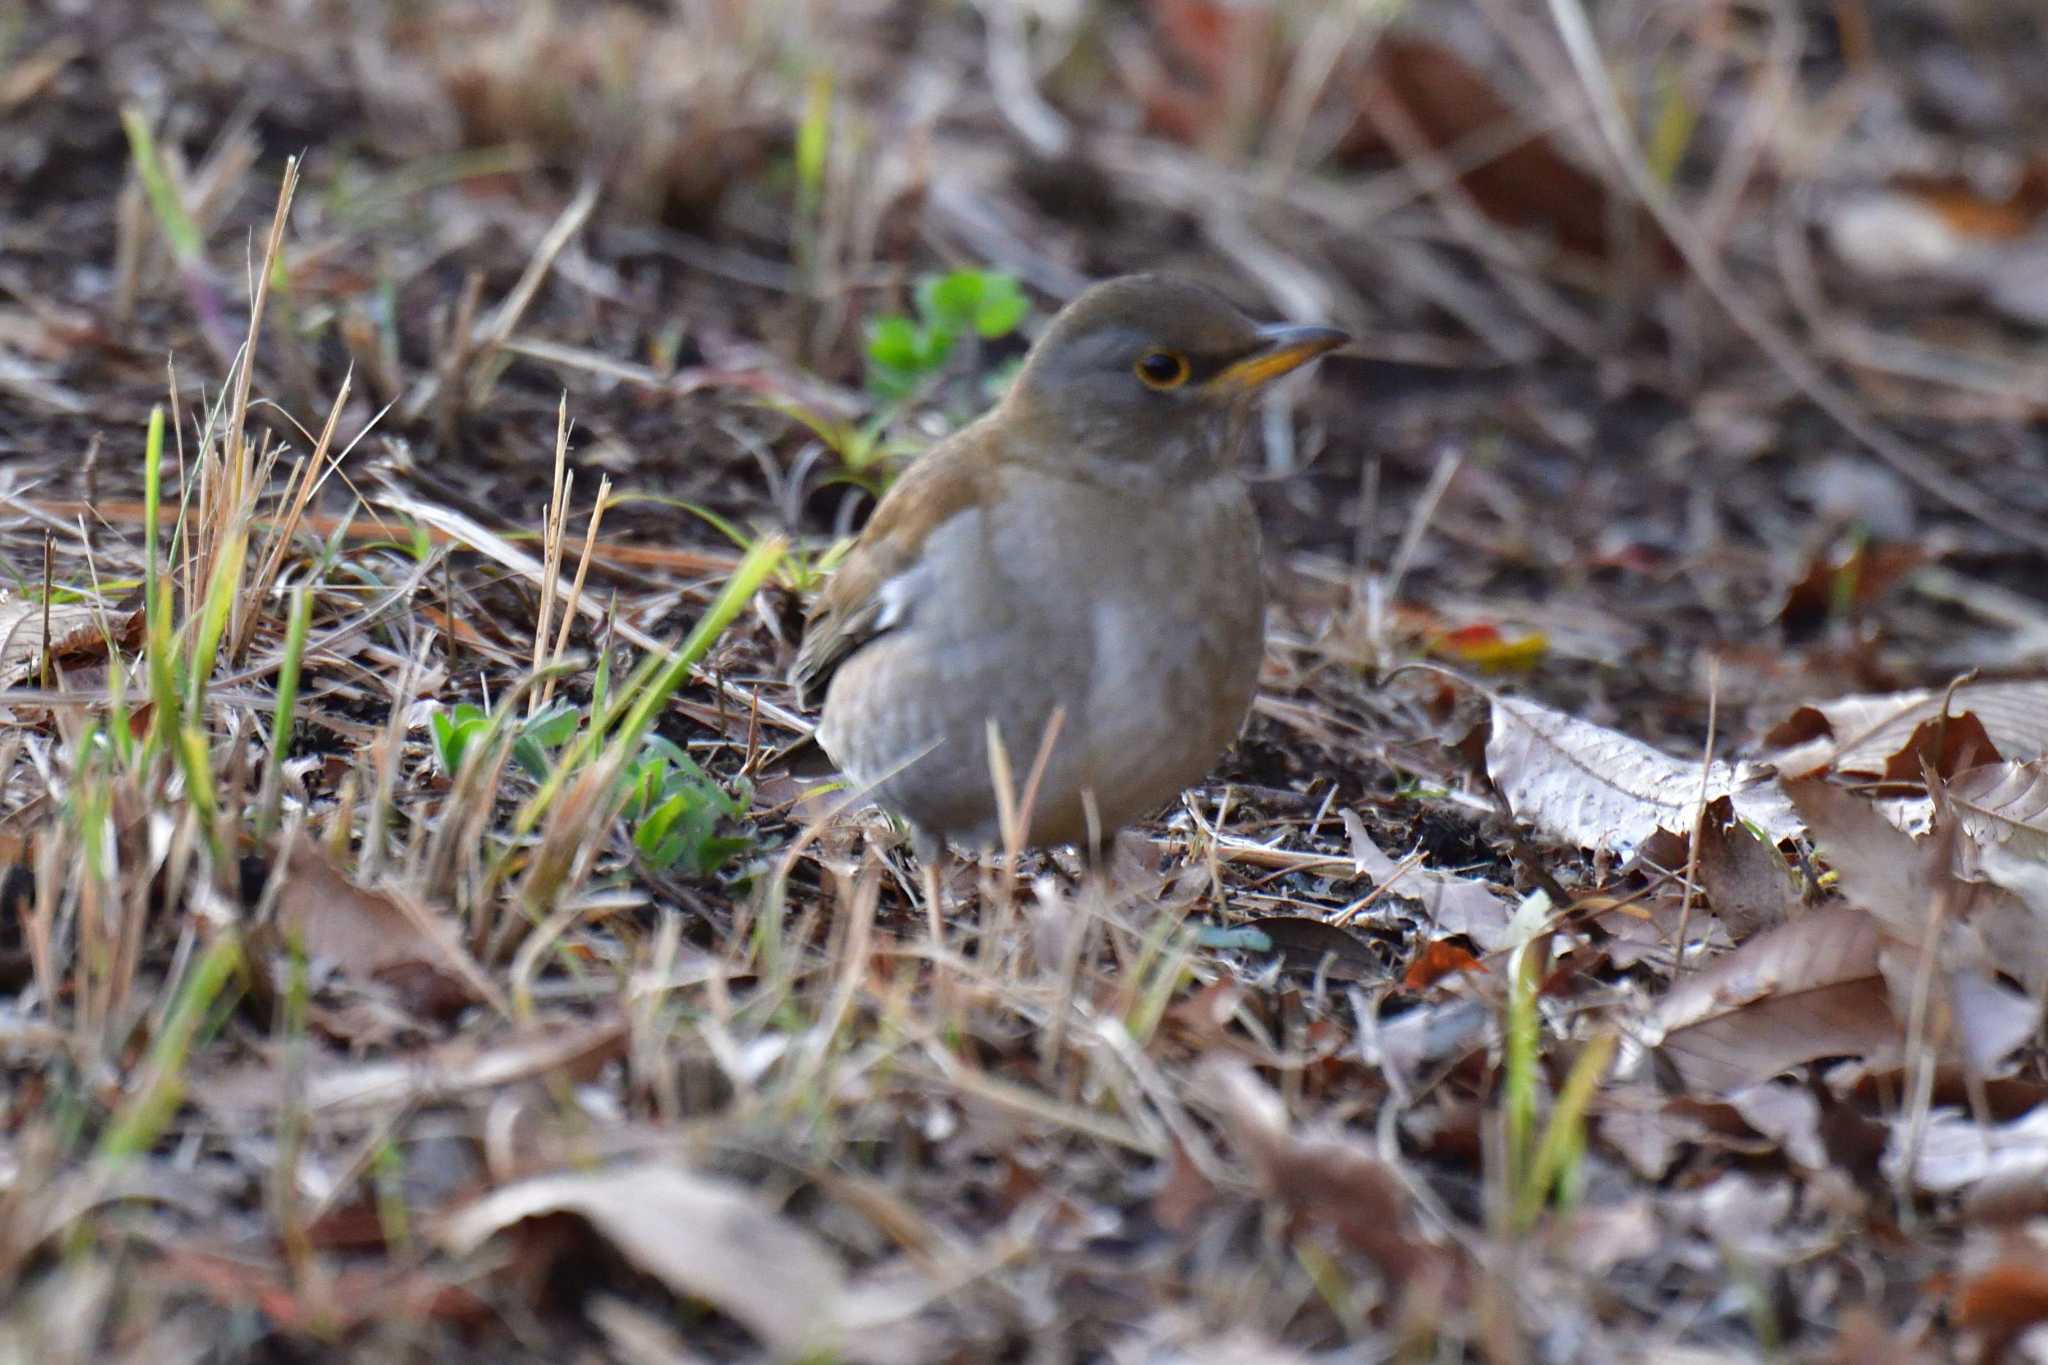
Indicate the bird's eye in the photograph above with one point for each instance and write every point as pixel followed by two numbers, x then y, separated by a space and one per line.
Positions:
pixel 1162 369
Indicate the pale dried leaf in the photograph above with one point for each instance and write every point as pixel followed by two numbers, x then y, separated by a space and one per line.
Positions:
pixel 1582 784
pixel 706 1239
pixel 1881 869
pixel 2004 802
pixel 1807 989
pixel 1956 1152
pixel 75 628
pixel 1992 1020
pixel 1455 905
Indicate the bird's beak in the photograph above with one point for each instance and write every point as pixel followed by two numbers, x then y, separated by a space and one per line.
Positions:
pixel 1282 348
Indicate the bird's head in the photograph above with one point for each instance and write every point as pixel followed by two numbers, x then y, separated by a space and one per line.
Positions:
pixel 1152 369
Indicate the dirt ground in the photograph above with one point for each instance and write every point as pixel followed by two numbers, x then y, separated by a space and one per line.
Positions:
pixel 1620 934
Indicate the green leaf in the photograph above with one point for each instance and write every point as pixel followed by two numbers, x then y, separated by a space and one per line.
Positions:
pixel 554 726
pixel 951 300
pixel 1002 306
pixel 934 348
pixel 454 730
pixel 893 343
pixel 529 755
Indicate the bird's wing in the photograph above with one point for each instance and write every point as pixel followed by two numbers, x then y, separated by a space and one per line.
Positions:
pixel 864 598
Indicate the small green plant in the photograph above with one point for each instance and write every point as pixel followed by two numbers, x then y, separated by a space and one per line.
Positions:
pixel 672 807
pixel 903 352
pixel 458 728
pixel 1545 1166
pixel 675 808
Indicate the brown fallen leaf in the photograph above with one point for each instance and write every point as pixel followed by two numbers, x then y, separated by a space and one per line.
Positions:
pixel 1810 988
pixel 1215 74
pixel 1859 736
pixel 1326 1178
pixel 1745 879
pixel 1309 945
pixel 1880 867
pixel 1833 586
pixel 1582 784
pixel 717 1242
pixel 1436 961
pixel 1528 183
pixel 375 935
pixel 1945 744
pixel 1912 888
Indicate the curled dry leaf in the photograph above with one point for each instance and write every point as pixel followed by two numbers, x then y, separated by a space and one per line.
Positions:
pixel 1810 988
pixel 2002 1166
pixel 1436 961
pixel 1745 879
pixel 2001 803
pixel 383 936
pixel 1863 736
pixel 714 1241
pixel 78 632
pixel 1328 1179
pixel 1456 905
pixel 1583 784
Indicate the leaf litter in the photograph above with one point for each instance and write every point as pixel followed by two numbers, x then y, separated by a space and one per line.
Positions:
pixel 1692 1011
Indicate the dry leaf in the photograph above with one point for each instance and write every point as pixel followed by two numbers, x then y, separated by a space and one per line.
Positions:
pixel 1310 945
pixel 1810 988
pixel 1856 581
pixel 1746 882
pixel 2004 802
pixel 1529 183
pixel 1582 784
pixel 1455 905
pixel 1437 961
pixel 2003 1300
pixel 1881 868
pixel 78 634
pixel 1904 883
pixel 1860 736
pixel 1327 1179
pixel 710 1240
pixel 374 935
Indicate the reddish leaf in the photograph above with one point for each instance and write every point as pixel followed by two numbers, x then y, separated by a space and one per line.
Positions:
pixel 1440 959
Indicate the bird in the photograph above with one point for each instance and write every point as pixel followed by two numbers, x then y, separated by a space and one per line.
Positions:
pixel 1079 565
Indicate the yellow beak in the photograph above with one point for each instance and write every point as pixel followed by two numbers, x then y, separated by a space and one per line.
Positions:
pixel 1282 349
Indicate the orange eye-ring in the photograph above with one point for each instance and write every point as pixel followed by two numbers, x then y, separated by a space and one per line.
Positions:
pixel 1162 369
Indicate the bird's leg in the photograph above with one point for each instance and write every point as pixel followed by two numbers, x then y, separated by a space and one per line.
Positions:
pixel 1096 850
pixel 929 849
